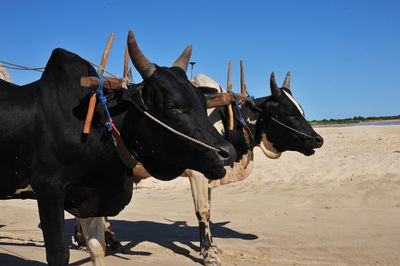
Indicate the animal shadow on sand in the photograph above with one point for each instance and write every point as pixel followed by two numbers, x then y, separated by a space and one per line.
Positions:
pixel 7 259
pixel 166 235
pixel 163 234
pixel 17 259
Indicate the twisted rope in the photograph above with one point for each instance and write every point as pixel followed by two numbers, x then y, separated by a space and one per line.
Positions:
pixel 105 70
pixel 244 124
pixel 253 105
pixel 180 133
pixel 40 69
pixel 109 124
pixel 18 67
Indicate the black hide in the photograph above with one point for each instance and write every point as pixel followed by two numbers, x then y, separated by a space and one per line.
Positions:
pixel 41 135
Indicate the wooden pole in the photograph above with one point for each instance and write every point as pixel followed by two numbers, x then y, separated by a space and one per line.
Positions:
pixel 242 84
pixel 126 62
pixel 224 99
pixel 109 82
pixel 106 53
pixel 229 88
pixel 92 102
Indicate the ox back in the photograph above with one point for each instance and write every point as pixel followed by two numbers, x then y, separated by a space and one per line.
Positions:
pixel 40 137
pixel 42 145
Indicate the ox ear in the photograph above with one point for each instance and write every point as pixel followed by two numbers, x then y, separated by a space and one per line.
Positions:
pixel 286 83
pixel 183 60
pixel 141 63
pixel 275 91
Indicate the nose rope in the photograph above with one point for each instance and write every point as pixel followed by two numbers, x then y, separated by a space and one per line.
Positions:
pixel 288 127
pixel 174 130
pixel 178 132
pixel 253 105
pixel 110 125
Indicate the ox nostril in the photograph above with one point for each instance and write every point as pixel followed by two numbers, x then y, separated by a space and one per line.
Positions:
pixel 227 154
pixel 319 140
pixel 223 152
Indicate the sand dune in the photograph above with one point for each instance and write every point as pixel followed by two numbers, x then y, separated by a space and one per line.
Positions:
pixel 340 206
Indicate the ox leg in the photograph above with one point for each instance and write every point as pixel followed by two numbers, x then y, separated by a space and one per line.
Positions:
pixel 202 202
pixel 111 239
pixel 93 231
pixel 78 235
pixel 51 212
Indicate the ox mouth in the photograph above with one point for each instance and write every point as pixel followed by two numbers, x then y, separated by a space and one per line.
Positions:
pixel 305 151
pixel 214 173
pixel 308 152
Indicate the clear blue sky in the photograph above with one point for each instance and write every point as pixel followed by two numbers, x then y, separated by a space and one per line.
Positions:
pixel 344 55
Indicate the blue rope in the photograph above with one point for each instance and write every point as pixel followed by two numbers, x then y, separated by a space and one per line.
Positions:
pixel 126 157
pixel 103 101
pixel 242 122
pixel 241 119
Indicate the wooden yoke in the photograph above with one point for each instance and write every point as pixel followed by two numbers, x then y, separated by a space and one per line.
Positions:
pixel 92 102
pixel 229 88
pixel 109 82
pixel 224 99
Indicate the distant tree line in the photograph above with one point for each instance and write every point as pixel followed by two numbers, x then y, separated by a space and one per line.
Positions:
pixel 354 120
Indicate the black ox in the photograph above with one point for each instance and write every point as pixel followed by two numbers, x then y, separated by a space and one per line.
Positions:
pixel 41 141
pixel 275 123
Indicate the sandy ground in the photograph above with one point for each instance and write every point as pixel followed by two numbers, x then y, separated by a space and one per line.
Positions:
pixel 340 206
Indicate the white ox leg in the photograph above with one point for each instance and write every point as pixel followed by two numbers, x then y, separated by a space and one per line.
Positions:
pixel 111 239
pixel 202 203
pixel 78 235
pixel 93 231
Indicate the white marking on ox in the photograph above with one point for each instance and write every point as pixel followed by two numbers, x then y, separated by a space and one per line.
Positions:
pixel 28 188
pixel 251 122
pixel 93 231
pixel 294 102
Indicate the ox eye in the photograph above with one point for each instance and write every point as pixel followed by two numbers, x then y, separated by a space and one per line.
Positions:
pixel 175 108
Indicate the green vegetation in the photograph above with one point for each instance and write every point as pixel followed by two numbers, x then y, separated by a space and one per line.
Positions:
pixel 354 120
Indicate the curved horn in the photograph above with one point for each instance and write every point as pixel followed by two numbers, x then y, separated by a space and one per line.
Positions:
pixel 142 65
pixel 286 83
pixel 183 59
pixel 276 92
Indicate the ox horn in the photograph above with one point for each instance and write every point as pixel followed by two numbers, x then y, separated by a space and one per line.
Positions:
pixel 286 83
pixel 276 92
pixel 183 60
pixel 141 63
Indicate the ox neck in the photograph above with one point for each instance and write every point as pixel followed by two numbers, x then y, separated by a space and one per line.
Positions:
pixel 262 121
pixel 255 120
pixel 244 137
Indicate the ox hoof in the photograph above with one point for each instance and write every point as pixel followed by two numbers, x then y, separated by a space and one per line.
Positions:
pixel 116 247
pixel 211 259
pixel 216 249
pixel 83 248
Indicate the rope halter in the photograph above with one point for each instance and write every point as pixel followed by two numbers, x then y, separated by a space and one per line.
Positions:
pixel 253 105
pixel 176 132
